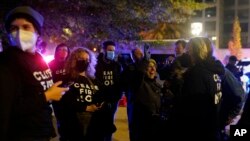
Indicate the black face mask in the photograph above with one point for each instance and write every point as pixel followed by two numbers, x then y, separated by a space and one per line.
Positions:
pixel 82 65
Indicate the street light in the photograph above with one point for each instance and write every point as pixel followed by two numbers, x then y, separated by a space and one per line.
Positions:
pixel 196 28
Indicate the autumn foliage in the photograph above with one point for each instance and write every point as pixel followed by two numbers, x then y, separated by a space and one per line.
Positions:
pixel 234 44
pixel 79 21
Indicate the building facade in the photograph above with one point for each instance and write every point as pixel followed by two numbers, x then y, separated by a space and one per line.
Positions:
pixel 217 21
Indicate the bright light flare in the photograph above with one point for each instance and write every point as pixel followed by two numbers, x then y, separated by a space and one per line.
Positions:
pixel 48 58
pixel 214 38
pixel 196 28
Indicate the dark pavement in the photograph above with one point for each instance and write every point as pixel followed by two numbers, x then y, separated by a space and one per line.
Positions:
pixel 121 123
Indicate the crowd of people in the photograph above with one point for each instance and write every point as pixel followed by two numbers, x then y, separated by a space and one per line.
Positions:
pixel 194 96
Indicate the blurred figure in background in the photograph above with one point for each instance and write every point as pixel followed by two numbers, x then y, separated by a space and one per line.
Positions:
pixel 181 55
pixel 181 59
pixel 231 66
pixel 57 67
pixel 108 72
pixel 180 47
pixel 140 60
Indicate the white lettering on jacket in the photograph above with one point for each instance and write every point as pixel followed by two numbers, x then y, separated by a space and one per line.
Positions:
pixel 44 77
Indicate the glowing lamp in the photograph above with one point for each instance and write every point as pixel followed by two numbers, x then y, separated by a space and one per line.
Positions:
pixel 196 28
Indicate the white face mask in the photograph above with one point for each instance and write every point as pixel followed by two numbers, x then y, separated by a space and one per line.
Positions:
pixel 25 40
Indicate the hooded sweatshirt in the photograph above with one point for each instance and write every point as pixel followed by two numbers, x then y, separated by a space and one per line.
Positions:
pixel 198 106
pixel 108 73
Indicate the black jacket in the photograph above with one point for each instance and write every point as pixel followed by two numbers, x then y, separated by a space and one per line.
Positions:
pixel 26 113
pixel 236 72
pixel 245 116
pixel 233 97
pixel 58 74
pixel 7 95
pixel 108 73
pixel 198 106
pixel 58 70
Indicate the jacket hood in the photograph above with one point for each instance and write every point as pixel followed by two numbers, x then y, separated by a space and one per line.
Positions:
pixel 214 66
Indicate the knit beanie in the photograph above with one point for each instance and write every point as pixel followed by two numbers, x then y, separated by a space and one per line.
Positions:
pixel 27 13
